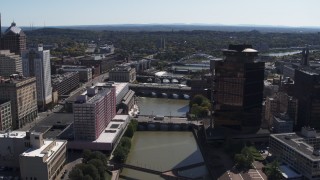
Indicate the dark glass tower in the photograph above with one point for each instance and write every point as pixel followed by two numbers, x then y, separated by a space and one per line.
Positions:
pixel 238 88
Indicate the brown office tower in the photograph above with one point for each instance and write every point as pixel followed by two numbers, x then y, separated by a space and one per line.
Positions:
pixel 307 91
pixel 238 89
pixel 14 39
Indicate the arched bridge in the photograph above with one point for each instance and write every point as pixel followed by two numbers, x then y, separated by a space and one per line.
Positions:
pixel 161 79
pixel 169 90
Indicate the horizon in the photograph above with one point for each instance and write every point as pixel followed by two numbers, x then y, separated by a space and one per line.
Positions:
pixel 37 13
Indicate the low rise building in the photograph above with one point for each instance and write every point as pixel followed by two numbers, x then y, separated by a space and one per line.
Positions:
pixel 282 123
pixel 28 151
pixel 301 151
pixel 85 74
pixel 122 74
pixel 66 82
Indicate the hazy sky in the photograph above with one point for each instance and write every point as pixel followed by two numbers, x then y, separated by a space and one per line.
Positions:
pixel 99 12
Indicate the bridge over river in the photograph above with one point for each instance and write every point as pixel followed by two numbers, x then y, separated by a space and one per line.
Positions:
pixel 160 89
pixel 171 174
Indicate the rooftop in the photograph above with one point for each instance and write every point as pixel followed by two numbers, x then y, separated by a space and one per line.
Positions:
pixel 49 148
pixel 58 78
pixel 299 143
pixel 113 129
pixel 13 134
pixel 13 28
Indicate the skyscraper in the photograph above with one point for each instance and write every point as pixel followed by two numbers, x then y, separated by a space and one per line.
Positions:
pixel 36 62
pixel 307 91
pixel 14 39
pixel 238 88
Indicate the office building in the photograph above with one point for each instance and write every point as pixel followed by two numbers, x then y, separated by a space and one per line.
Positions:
pixel 281 103
pixel 14 39
pixel 5 116
pixel 36 63
pixel 66 82
pixel 238 88
pixel 101 62
pixel 85 74
pixel 21 92
pixel 28 151
pixel 282 123
pixel 93 110
pixel 299 151
pixel 122 73
pixel 307 91
pixel 10 63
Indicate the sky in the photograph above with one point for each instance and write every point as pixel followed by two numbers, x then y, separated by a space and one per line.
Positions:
pixel 294 13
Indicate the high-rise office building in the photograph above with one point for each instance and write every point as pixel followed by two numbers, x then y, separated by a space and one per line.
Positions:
pixel 307 91
pixel 14 39
pixel 36 62
pixel 93 111
pixel 5 116
pixel 238 88
pixel 10 63
pixel 22 94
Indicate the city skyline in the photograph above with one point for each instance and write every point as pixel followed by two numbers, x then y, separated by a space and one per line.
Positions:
pixel 293 13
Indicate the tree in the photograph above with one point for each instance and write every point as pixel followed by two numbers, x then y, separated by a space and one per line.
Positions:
pixel 75 174
pixel 120 154
pixel 244 159
pixel 272 170
pixel 129 132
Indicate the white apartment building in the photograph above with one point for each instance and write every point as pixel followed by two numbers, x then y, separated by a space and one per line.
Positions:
pixel 36 62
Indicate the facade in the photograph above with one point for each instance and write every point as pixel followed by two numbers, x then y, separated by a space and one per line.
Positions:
pixel 5 116
pixel 307 91
pixel 122 74
pixel 36 63
pixel 298 150
pixel 48 156
pixel 238 88
pixel 66 82
pixel 281 103
pixel 14 39
pixel 282 123
pixel 22 94
pixel 104 63
pixel 85 74
pixel 28 150
pixel 93 110
pixel 10 63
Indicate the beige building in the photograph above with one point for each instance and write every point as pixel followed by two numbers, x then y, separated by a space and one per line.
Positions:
pixel 22 94
pixel 37 158
pixel 5 116
pixel 46 156
pixel 10 63
pixel 122 74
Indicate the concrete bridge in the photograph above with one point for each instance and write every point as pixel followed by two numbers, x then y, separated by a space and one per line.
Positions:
pixel 169 174
pixel 162 79
pixel 160 90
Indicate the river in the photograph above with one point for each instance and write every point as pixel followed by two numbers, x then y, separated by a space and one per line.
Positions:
pixel 163 106
pixel 164 151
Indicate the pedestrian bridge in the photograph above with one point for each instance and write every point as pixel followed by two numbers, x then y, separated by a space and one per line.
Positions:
pixel 169 174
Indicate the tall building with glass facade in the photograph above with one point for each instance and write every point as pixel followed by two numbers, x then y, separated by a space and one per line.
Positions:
pixel 238 88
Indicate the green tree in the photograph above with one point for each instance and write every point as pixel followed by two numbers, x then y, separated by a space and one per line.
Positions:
pixel 245 159
pixel 76 174
pixel 272 170
pixel 120 154
pixel 130 131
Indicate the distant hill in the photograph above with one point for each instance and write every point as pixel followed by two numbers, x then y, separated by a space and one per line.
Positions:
pixel 184 27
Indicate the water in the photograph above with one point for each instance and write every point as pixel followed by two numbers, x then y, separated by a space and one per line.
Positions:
pixel 279 54
pixel 164 151
pixel 190 67
pixel 163 106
